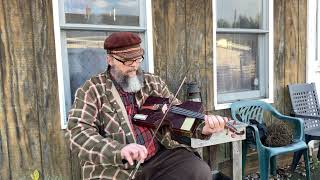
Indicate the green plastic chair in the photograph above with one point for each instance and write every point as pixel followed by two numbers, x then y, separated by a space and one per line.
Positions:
pixel 252 109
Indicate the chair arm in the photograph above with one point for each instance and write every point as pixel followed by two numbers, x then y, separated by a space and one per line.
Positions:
pixel 306 116
pixel 298 123
pixel 256 135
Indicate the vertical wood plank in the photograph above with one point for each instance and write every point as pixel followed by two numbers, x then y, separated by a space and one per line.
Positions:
pixel 208 89
pixel 302 33
pixel 53 147
pixel 159 34
pixel 291 46
pixel 169 26
pixel 19 100
pixel 195 42
pixel 4 131
pixel 279 54
pixel 237 160
pixel 176 44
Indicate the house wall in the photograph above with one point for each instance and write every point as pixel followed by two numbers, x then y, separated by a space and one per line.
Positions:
pixel 30 134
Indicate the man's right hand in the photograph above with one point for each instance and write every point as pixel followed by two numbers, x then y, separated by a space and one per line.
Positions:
pixel 133 152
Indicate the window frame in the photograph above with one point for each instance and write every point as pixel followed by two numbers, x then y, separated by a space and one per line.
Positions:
pixel 60 29
pixel 313 30
pixel 267 56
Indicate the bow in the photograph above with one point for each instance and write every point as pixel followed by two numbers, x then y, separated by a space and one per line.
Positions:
pixel 133 173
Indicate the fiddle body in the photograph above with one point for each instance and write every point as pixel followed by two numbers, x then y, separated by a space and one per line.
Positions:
pixel 182 119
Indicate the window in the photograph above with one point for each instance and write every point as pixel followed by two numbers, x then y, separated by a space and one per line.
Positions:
pixel 243 51
pixel 313 44
pixel 81 27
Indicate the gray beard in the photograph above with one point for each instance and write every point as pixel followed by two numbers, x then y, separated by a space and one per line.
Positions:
pixel 128 84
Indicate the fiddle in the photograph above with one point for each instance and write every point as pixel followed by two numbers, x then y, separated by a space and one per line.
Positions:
pixel 181 119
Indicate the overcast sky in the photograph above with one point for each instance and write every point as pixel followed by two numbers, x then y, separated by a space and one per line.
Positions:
pixel 125 7
pixel 225 8
pixel 249 8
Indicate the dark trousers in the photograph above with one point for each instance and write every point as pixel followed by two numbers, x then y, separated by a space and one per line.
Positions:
pixel 175 164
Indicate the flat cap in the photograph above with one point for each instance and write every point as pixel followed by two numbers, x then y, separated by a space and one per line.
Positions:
pixel 124 44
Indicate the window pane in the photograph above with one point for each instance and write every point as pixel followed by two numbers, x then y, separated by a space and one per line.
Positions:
pixel 239 14
pixel 106 12
pixel 237 63
pixel 86 56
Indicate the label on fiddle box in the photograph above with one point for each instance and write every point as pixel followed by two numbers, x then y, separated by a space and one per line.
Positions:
pixel 187 124
pixel 140 116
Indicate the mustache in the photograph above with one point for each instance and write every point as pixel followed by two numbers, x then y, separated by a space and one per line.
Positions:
pixel 132 70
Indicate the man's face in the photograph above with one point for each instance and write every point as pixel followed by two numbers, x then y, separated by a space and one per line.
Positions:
pixel 129 77
pixel 126 70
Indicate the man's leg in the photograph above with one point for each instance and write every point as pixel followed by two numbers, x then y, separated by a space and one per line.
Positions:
pixel 174 165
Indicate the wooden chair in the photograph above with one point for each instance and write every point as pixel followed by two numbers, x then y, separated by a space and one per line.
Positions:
pixel 305 105
pixel 244 111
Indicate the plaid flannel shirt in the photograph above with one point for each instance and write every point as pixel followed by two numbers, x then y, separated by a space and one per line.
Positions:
pixel 99 126
pixel 143 135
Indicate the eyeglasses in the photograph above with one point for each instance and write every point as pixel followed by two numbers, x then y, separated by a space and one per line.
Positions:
pixel 129 62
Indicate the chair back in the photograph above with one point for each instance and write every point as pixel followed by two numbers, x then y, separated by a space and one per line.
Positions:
pixel 252 109
pixel 304 100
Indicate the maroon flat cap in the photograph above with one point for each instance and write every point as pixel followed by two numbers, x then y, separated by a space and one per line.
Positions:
pixel 124 44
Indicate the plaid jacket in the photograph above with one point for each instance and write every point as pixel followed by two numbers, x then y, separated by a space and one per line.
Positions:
pixel 99 128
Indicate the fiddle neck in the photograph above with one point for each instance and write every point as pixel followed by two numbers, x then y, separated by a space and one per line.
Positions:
pixel 186 112
pixel 197 115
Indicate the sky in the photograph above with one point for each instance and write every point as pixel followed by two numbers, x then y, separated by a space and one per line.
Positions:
pixel 249 8
pixel 124 7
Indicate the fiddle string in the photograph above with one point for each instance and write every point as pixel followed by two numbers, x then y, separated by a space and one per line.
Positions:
pixel 186 112
pixel 198 115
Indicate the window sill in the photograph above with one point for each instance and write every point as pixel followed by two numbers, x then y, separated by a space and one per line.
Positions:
pixel 227 105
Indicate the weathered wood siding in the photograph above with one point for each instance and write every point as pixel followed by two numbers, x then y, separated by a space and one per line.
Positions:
pixel 30 134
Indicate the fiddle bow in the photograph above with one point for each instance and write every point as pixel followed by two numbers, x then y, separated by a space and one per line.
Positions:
pixel 133 173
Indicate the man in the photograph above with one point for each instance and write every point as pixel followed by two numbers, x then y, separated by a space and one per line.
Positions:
pixel 101 131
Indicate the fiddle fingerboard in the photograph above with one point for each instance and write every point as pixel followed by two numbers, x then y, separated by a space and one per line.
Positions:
pixel 193 114
pixel 186 112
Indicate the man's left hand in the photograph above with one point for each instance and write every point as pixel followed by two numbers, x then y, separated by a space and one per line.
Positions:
pixel 213 124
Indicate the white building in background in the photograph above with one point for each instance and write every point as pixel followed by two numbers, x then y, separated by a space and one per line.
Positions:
pixel 313 51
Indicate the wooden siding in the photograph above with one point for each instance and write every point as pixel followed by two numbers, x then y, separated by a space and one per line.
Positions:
pixel 30 134
pixel 31 137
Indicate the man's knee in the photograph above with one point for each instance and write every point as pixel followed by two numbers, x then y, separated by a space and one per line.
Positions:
pixel 201 170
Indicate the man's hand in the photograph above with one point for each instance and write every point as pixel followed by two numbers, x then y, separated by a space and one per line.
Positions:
pixel 133 152
pixel 213 123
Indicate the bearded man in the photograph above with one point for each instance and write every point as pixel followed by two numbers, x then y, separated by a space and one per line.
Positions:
pixel 100 129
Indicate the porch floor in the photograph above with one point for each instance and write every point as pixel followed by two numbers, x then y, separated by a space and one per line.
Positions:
pixel 284 173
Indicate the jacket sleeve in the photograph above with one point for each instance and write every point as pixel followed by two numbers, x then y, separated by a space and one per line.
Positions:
pixel 165 92
pixel 83 130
